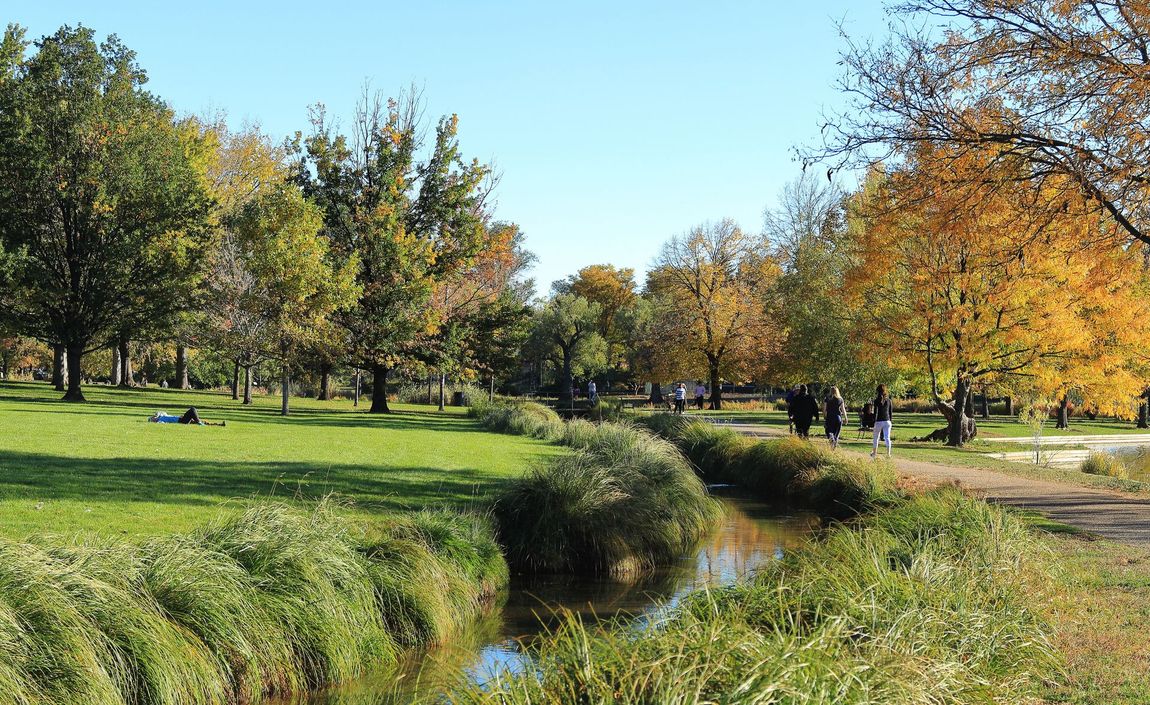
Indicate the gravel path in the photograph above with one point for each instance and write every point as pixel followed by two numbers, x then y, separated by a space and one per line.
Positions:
pixel 1109 514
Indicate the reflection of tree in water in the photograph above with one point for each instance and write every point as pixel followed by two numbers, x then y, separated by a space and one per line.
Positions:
pixel 752 534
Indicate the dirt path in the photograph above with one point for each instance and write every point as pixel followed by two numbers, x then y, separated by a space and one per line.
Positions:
pixel 1109 514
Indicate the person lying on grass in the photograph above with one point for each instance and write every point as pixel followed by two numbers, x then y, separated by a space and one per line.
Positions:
pixel 191 416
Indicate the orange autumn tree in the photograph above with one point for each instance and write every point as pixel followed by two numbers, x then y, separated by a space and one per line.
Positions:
pixel 711 287
pixel 976 274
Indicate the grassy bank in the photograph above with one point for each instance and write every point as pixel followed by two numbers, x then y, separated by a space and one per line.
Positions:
pixel 100 467
pixel 622 503
pixel 272 600
pixel 924 602
pixel 786 470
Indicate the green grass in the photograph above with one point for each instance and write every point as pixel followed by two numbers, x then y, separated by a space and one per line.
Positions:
pixel 102 467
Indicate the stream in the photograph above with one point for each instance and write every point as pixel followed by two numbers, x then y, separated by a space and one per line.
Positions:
pixel 751 535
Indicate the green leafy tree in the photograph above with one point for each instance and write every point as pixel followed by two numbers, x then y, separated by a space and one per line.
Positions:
pixel 565 331
pixel 296 288
pixel 409 223
pixel 101 209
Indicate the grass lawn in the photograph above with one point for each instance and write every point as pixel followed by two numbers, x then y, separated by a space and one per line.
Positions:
pixel 1098 602
pixel 101 466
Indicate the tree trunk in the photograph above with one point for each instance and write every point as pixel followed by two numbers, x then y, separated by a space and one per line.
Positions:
pixel 656 398
pixel 567 379
pixel 115 378
pixel 324 383
pixel 59 367
pixel 247 385
pixel 379 390
pixel 969 408
pixel 235 380
pixel 491 390
pixel 1010 406
pixel 355 393
pixel 985 405
pixel 182 381
pixel 285 388
pixel 75 352
pixel 716 388
pixel 1144 414
pixel 960 426
pixel 442 379
pixel 125 363
pixel 1063 414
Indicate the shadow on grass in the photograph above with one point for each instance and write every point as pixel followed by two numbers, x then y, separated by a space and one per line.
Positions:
pixel 45 477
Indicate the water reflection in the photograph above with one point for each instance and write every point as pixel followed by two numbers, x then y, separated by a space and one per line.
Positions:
pixel 752 534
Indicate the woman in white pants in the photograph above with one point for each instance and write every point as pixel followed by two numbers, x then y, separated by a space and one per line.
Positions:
pixel 882 419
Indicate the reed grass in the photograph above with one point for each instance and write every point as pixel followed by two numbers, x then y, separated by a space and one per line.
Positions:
pixel 920 603
pixel 785 470
pixel 1098 463
pixel 624 502
pixel 274 600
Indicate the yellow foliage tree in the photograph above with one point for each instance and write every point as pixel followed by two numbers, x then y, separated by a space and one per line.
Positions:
pixel 977 274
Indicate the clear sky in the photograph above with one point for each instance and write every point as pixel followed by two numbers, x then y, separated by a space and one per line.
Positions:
pixel 614 124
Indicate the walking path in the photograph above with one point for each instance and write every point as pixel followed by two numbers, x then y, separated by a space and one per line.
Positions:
pixel 1109 514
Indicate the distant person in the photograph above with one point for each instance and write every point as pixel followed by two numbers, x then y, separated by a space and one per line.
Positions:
pixel 592 392
pixel 804 410
pixel 883 410
pixel 700 394
pixel 789 399
pixel 680 398
pixel 834 416
pixel 190 417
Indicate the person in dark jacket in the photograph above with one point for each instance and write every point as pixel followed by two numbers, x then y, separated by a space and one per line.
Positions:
pixel 804 409
pixel 883 411
pixel 834 416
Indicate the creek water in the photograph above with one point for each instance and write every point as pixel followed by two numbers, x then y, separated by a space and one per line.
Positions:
pixel 751 535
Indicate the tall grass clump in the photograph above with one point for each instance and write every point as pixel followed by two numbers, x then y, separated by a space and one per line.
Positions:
pixel 622 503
pixel 934 580
pixel 785 470
pixel 519 418
pixel 922 602
pixel 1098 463
pixel 271 601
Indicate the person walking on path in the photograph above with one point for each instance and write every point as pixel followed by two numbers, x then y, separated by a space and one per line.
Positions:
pixel 700 394
pixel 882 420
pixel 790 400
pixel 680 398
pixel 592 392
pixel 834 416
pixel 804 410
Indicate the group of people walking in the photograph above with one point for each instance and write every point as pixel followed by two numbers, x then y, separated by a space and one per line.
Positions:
pixel 803 410
pixel 680 396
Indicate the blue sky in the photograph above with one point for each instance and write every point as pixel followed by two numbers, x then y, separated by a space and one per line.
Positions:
pixel 614 124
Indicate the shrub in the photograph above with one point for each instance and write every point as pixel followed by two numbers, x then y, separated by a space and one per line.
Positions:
pixel 1098 463
pixel 417 393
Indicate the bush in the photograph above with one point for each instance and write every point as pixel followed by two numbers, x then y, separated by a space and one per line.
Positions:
pixel 271 601
pixel 1098 463
pixel 623 503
